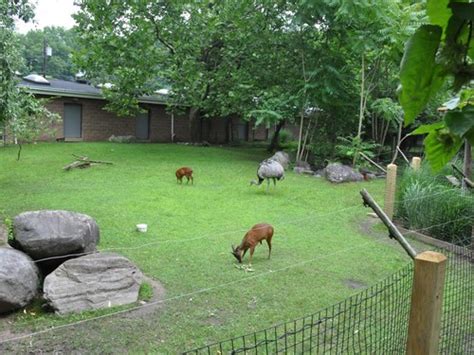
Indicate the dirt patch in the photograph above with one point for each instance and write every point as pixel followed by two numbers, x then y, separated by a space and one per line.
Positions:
pixel 6 326
pixel 152 305
pixel 214 321
pixel 355 284
pixel 42 345
pixel 367 227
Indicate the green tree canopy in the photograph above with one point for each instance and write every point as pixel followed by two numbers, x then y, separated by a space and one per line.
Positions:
pixel 265 59
pixel 23 115
pixel 62 42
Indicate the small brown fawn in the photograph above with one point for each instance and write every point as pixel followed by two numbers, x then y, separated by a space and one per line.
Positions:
pixel 258 233
pixel 184 171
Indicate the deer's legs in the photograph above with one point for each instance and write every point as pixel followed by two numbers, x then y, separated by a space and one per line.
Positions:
pixel 252 249
pixel 269 248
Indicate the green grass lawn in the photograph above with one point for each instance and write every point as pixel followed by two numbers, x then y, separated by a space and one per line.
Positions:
pixel 318 243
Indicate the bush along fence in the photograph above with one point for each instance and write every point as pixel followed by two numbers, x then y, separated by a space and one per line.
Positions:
pixel 425 308
pixel 424 199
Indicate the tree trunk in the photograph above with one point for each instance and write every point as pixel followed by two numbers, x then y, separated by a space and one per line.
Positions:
pixel 303 146
pixel 362 94
pixel 398 142
pixel 300 136
pixel 311 139
pixel 194 125
pixel 274 143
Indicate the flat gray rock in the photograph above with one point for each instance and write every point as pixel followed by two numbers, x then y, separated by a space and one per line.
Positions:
pixel 95 281
pixel 43 234
pixel 337 173
pixel 18 279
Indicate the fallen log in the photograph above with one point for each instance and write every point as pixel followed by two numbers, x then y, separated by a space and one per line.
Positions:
pixel 83 162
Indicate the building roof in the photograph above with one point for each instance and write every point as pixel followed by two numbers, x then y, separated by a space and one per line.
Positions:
pixel 56 87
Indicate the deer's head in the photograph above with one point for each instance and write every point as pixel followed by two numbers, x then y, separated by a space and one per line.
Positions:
pixel 237 253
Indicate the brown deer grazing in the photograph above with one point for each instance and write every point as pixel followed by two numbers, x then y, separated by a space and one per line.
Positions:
pixel 184 171
pixel 258 233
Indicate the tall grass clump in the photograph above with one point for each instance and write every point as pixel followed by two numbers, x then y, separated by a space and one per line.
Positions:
pixel 426 202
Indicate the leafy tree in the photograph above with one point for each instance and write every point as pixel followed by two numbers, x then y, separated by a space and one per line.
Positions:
pixel 268 60
pixel 204 50
pixel 441 51
pixel 62 42
pixel 9 56
pixel 20 112
pixel 364 43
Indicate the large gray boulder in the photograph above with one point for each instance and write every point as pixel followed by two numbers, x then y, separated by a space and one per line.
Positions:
pixel 44 234
pixel 283 158
pixel 303 167
pixel 19 279
pixel 93 281
pixel 3 234
pixel 336 172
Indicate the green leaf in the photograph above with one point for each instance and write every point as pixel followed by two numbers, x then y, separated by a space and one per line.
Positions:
pixel 438 12
pixel 420 76
pixel 441 146
pixel 427 128
pixel 470 136
pixel 460 122
pixel 464 11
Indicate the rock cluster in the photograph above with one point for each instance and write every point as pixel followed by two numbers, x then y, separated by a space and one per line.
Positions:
pixel 62 246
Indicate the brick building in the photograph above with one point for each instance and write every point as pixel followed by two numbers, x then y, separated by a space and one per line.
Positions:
pixel 83 118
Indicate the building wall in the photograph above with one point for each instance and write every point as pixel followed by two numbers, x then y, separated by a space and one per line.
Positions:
pixel 99 124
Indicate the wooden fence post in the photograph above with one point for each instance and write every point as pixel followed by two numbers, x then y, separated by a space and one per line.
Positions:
pixel 426 304
pixel 416 163
pixel 390 189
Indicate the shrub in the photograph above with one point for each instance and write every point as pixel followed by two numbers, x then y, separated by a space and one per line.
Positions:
pixel 429 204
pixel 285 136
pixel 9 228
pixel 350 148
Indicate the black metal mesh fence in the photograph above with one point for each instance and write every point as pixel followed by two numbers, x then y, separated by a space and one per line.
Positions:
pixel 457 322
pixel 372 321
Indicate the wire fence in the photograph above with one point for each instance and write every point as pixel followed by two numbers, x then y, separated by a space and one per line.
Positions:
pixel 372 321
pixel 457 322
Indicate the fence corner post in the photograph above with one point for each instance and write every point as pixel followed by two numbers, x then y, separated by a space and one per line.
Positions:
pixel 426 303
pixel 390 189
pixel 416 163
